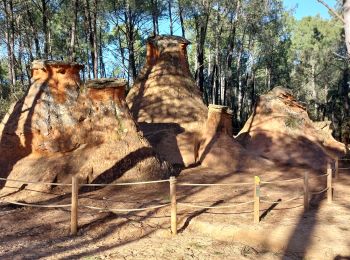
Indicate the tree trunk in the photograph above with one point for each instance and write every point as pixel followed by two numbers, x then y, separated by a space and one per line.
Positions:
pixel 102 64
pixel 87 26
pixel 130 38
pixel 45 28
pixel 201 24
pixel 170 18
pixel 231 43
pixel 155 16
pixel 10 41
pixel 34 32
pixel 346 14
pixel 73 32
pixel 95 48
pixel 181 19
pixel 91 38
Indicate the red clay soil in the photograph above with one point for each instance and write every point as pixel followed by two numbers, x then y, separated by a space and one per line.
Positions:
pixel 168 106
pixel 63 128
pixel 281 130
pixel 220 151
pixel 166 102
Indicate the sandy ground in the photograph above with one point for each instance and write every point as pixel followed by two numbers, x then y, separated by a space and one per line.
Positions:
pixel 285 231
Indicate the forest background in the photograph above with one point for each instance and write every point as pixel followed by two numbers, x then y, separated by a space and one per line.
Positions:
pixel 240 48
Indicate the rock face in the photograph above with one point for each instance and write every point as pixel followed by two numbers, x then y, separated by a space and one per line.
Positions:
pixel 281 130
pixel 219 150
pixel 166 102
pixel 62 128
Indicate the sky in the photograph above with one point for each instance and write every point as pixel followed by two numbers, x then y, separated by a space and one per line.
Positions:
pixel 309 7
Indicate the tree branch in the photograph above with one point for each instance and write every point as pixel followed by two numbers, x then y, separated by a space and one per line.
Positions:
pixel 332 10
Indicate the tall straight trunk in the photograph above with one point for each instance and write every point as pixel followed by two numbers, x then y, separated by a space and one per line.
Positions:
pixel 313 87
pixel 45 28
pixel 201 24
pixel 34 32
pixel 170 18
pixel 130 38
pixel 74 28
pixel 122 52
pixel 211 89
pixel 95 47
pixel 252 95
pixel 92 36
pixel 217 63
pixel 102 65
pixel 87 29
pixel 181 19
pixel 19 60
pixel 229 59
pixel 238 75
pixel 10 41
pixel 346 14
pixel 155 16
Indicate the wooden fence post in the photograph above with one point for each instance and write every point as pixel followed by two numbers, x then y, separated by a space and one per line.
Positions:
pixel 74 207
pixel 173 205
pixel 336 168
pixel 329 184
pixel 256 199
pixel 306 191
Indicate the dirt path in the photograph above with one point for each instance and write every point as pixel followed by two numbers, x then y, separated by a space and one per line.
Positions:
pixel 285 232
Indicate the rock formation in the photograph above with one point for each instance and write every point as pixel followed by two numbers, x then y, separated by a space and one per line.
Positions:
pixel 166 102
pixel 61 128
pixel 281 130
pixel 219 150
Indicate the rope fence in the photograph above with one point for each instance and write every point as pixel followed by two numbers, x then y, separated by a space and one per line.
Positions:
pixel 214 184
pixel 36 205
pixel 281 201
pixel 213 207
pixel 126 210
pixel 256 200
pixel 37 182
pixel 121 183
pixel 319 192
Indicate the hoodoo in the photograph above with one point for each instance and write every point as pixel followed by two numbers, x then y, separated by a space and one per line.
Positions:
pixel 62 128
pixel 219 150
pixel 166 101
pixel 281 130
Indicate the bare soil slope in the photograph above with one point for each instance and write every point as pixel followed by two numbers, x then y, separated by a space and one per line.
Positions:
pixel 166 102
pixel 281 130
pixel 220 151
pixel 62 128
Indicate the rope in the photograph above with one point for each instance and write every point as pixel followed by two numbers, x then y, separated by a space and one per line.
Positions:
pixel 319 192
pixel 270 182
pixel 212 207
pixel 344 168
pixel 34 182
pixel 214 184
pixel 122 183
pixel 343 159
pixel 282 201
pixel 126 210
pixel 37 205
pixel 319 176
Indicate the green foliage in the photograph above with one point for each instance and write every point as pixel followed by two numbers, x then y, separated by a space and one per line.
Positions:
pixel 249 46
pixel 294 122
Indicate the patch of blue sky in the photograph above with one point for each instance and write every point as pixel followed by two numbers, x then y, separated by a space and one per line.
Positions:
pixel 303 8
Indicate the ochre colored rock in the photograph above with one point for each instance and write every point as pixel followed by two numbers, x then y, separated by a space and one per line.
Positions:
pixel 281 130
pixel 219 150
pixel 61 128
pixel 166 102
